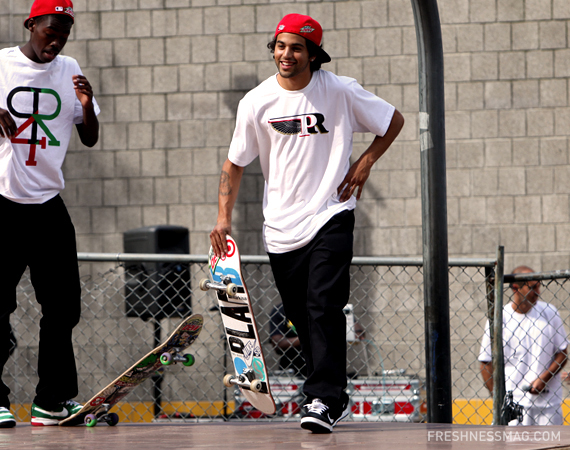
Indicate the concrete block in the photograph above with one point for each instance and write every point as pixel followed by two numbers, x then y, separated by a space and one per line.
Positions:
pixel 205 217
pixel 500 210
pixel 538 10
pixel 458 183
pixel 127 108
pixel 562 180
pixel 413 212
pixel 528 209
pixel 104 220
pixel 526 152
pixel 102 165
pixel 178 50
pixel 113 25
pixel 454 11
pixel 540 122
pixel 563 238
pixel 470 38
pixel 485 239
pixel 348 15
pixel 399 14
pixel 411 100
pixel 216 20
pixel 177 3
pixel 510 10
pixel 164 79
pixel 485 66
pixel 391 214
pixel 539 64
pixel 539 180
pixel 484 181
pixel 164 22
pixel 374 13
pixel 120 5
pixel 190 21
pixel 153 107
pixel 128 164
pixel 472 210
pixel 403 69
pixel 81 218
pixel 151 215
pixel 458 125
pixel 449 38
pixel 484 124
pixel 139 80
pixel 203 49
pixel 555 208
pixel 179 106
pixel 219 132
pixel 498 95
pixel 114 136
pixel 153 163
pixel 192 190
pixel 192 133
pixel 89 193
pixel 140 135
pixel 459 240
pixel 113 81
pixel 166 135
pixel 230 48
pixel 126 52
pixel 498 36
pixel 560 9
pixel 141 191
pixel 552 34
pixel 525 94
pixel 541 238
pixel 87 26
pixel 553 93
pixel 205 161
pixel 553 151
pixel 561 121
pixel 388 41
pixel 361 42
pixel 217 77
pixel 512 123
pixel 255 47
pixel 179 162
pixel 512 65
pixel 350 68
pixel 100 5
pixel 525 36
pixel 191 77
pixel 457 67
pixel 404 184
pixel 514 238
pixel 167 191
pixel 512 181
pixel 470 96
pixel 138 23
pixel 205 105
pixel 183 215
pixel 482 11
pixel 129 217
pixel 115 192
pixel 242 19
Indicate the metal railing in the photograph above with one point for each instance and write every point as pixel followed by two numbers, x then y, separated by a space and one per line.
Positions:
pixel 386 342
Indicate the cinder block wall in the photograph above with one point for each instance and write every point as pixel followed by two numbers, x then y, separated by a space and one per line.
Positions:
pixel 168 75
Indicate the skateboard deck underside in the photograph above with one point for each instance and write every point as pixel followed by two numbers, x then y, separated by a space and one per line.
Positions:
pixel 184 335
pixel 240 327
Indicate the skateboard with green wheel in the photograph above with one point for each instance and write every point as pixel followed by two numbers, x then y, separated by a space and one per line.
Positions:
pixel 169 352
pixel 240 327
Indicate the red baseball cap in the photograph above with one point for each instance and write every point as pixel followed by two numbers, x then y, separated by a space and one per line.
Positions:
pixel 45 7
pixel 304 26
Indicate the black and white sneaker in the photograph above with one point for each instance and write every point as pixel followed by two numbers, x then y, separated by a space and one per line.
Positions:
pixel 344 408
pixel 316 417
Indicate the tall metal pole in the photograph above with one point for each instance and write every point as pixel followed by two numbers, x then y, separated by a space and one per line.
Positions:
pixel 497 349
pixel 434 210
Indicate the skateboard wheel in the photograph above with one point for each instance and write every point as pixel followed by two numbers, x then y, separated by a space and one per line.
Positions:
pixel 112 419
pixel 189 360
pixel 228 380
pixel 231 289
pixel 256 386
pixel 204 284
pixel 166 359
pixel 90 420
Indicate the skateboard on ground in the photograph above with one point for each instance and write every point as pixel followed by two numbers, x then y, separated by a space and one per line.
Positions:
pixel 240 327
pixel 169 352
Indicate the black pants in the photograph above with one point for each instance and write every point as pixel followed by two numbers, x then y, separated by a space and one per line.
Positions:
pixel 42 238
pixel 314 283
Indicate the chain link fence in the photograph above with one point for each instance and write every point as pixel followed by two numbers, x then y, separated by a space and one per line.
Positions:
pixel 385 338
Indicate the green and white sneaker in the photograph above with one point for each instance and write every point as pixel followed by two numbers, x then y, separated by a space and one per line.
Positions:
pixel 42 417
pixel 6 418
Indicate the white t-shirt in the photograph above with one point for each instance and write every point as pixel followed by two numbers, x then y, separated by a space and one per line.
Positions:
pixel 530 342
pixel 304 142
pixel 43 103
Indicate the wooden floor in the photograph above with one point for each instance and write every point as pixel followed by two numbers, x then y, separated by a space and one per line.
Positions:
pixel 283 436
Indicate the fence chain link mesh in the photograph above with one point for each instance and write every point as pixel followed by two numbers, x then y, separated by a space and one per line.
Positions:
pixel 385 340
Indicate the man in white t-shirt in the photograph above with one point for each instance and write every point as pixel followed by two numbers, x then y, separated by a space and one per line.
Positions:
pixel 300 124
pixel 534 346
pixel 42 96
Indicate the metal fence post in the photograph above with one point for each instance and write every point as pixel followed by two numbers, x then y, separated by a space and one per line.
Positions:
pixel 498 357
pixel 434 210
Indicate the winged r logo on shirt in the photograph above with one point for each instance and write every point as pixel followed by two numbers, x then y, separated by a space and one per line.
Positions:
pixel 302 124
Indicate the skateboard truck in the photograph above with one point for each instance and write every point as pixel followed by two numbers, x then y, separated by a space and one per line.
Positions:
pixel 246 380
pixel 172 358
pixel 112 419
pixel 226 286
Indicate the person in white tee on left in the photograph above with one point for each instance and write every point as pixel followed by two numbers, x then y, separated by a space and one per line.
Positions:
pixel 42 95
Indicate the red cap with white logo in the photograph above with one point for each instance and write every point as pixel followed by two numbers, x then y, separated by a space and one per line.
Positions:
pixel 304 26
pixel 45 7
